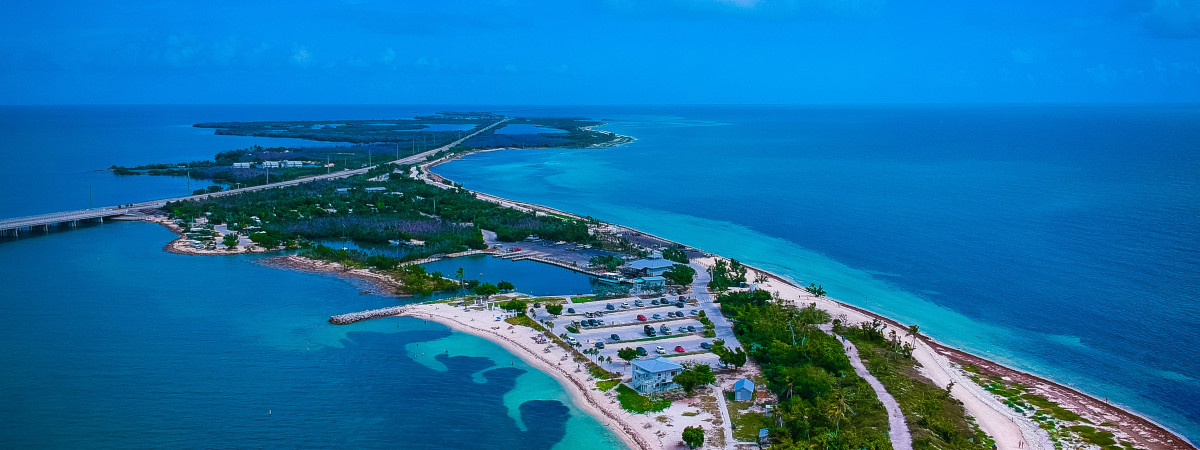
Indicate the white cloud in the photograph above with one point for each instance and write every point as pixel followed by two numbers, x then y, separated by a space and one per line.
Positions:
pixel 301 56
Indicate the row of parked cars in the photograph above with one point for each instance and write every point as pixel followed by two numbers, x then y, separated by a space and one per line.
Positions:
pixel 666 330
pixel 670 314
pixel 660 350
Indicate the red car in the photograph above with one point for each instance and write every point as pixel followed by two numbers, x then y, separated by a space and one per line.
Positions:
pixel 642 317
pixel 679 348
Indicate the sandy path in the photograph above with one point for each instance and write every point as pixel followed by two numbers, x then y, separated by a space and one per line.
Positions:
pixel 897 427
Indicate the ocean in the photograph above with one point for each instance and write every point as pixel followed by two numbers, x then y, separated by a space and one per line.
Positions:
pixel 1063 240
pixel 1057 239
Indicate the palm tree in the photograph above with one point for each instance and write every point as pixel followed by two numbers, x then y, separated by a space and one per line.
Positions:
pixel 837 410
pixel 914 331
pixel 459 274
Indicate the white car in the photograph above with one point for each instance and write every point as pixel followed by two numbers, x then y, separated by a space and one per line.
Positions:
pixel 660 350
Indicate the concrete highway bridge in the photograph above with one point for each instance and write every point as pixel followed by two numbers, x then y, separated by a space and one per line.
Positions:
pixel 45 222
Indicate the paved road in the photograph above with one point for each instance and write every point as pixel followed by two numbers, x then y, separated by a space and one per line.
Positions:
pixel 110 211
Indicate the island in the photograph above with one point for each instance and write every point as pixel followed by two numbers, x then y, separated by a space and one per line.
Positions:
pixel 674 346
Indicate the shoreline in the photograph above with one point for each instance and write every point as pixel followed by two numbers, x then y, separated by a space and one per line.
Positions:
pixel 1138 429
pixel 941 363
pixel 581 395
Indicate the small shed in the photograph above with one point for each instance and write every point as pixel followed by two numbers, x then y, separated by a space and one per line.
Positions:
pixel 743 390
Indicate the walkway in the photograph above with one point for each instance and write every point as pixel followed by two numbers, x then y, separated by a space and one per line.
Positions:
pixel 897 427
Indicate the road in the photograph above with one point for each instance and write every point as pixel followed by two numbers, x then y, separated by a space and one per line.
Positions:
pixel 110 211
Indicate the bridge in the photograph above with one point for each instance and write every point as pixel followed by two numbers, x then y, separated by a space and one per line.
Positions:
pixel 19 225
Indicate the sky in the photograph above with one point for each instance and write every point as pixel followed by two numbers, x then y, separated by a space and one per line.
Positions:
pixel 577 52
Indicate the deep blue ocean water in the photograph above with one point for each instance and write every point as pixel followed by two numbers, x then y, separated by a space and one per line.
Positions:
pixel 1058 239
pixel 1064 240
pixel 111 342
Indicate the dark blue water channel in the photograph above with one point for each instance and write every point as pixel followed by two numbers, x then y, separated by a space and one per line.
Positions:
pixel 111 342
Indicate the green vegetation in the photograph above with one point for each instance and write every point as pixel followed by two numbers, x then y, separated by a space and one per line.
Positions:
pixel 637 403
pixel 675 254
pixel 486 290
pixel 823 403
pixel 680 274
pixel 554 309
pixel 525 321
pixel 727 275
pixel 606 262
pixel 746 425
pixel 606 385
pixel 692 377
pixel 627 353
pixel 693 436
pixel 935 419
pixel 230 240
pixel 1063 426
pixel 815 290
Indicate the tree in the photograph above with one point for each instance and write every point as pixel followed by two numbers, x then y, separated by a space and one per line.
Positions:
pixel 554 309
pixel 837 409
pixel 694 377
pixel 693 436
pixel 627 354
pixel 486 290
pixel 230 240
pixel 505 286
pixel 680 274
pixel 914 331
pixel 459 274
pixel 815 289
pixel 735 357
pixel 512 305
pixel 675 254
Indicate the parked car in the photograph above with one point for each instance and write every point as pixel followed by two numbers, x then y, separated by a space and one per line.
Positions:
pixel 679 305
pixel 664 329
pixel 679 348
pixel 599 344
pixel 599 322
pixel 571 340
pixel 641 317
pixel 641 351
pixel 587 314
pixel 657 316
pixel 615 337
pixel 598 314
pixel 649 330
pixel 695 312
pixel 706 346
pixel 625 305
pixel 593 322
pixel 681 298
pixel 691 329
pixel 639 304
pixel 610 307
pixel 660 350
pixel 570 310
pixel 681 329
pixel 654 302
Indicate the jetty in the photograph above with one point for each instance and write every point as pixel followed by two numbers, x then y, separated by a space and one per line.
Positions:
pixel 15 227
pixel 346 319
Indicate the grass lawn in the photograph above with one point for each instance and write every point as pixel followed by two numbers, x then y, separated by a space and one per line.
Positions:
pixel 606 385
pixel 637 403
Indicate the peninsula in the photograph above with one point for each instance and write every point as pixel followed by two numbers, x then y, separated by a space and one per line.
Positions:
pixel 743 357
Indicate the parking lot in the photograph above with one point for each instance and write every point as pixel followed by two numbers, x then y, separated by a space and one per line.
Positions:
pixel 623 320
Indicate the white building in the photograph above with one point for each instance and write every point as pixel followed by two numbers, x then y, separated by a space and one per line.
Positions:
pixel 271 164
pixel 241 165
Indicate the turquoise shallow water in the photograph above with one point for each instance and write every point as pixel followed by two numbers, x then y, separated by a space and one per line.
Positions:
pixel 1061 240
pixel 111 342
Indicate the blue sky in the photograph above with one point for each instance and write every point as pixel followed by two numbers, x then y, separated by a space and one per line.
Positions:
pixel 600 52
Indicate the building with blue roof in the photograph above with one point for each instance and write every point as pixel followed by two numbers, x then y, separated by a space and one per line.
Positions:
pixel 649 267
pixel 654 375
pixel 743 390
